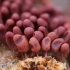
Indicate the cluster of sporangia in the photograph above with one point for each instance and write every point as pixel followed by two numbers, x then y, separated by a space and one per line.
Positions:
pixel 30 26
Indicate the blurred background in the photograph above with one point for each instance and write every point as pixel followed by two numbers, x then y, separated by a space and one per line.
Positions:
pixel 63 5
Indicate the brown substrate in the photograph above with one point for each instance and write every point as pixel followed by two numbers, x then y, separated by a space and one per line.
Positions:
pixel 9 62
